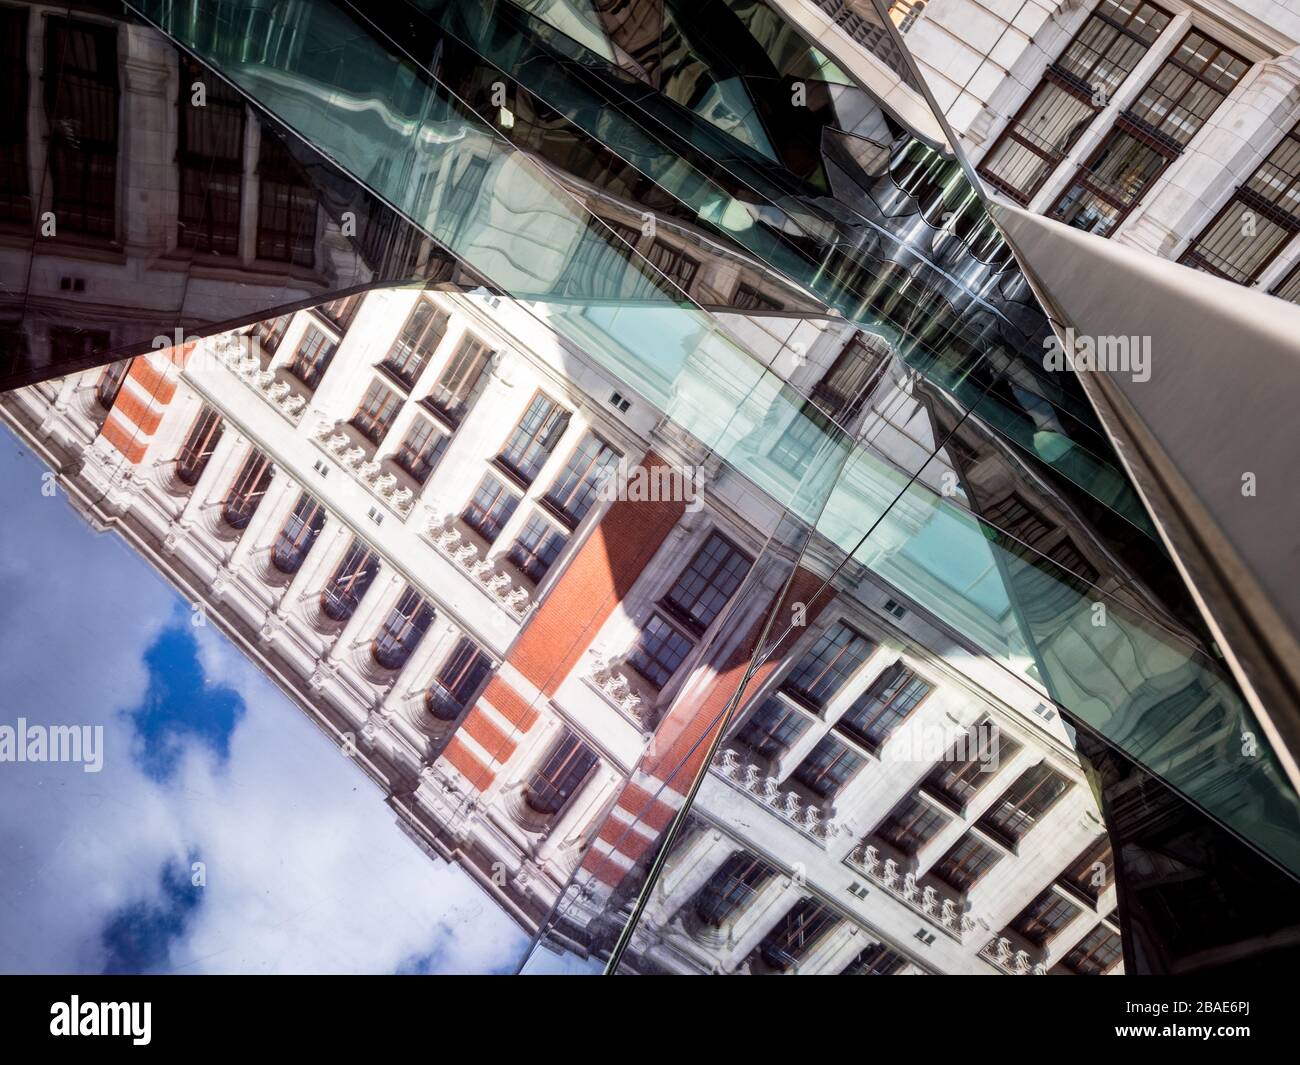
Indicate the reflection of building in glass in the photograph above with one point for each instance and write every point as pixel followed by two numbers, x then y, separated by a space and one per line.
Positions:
pixel 445 587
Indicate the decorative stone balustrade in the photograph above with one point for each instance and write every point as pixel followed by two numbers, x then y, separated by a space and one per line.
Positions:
pixel 233 350
pixel 805 817
pixel 614 685
pixel 367 471
pixel 943 913
pixel 451 544
pixel 1015 962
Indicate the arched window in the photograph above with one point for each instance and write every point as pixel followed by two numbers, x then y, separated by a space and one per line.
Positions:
pixel 298 534
pixel 354 575
pixel 204 436
pixel 247 491
pixel 403 630
pixel 110 383
pixel 561 775
pixel 459 679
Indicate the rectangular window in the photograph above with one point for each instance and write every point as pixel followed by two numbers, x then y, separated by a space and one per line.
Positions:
pixel 1174 105
pixel 210 154
pixel 490 508
pixel 965 865
pixel 660 649
pixel 731 888
pixel 773 728
pixel 561 775
pixel 576 487
pixel 677 266
pixel 1257 223
pixel 911 825
pixel 422 450
pixel 1023 804
pixel 824 668
pixel 1073 91
pixel 459 679
pixel 1097 954
pixel 15 192
pixel 748 298
pixel 875 961
pixel 81 100
pixel 970 765
pixel 202 441
pixel 1044 917
pixel 340 312
pixel 378 408
pixel 286 212
pixel 828 767
pixel 270 332
pixel 1289 287
pixel 402 630
pixel 539 544
pixel 534 438
pixel 461 381
pixel 415 344
pixel 313 357
pixel 797 933
pixel 708 581
pixel 1092 871
pixel 884 706
pixel 299 533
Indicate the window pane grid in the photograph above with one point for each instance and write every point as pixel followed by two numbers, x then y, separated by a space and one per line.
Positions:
pixel 709 580
pixel 660 650
pixel 534 438
pixel 298 535
pixel 731 888
pixel 354 575
pixel 560 776
pixel 773 728
pixel 884 706
pixel 490 508
pixel 422 450
pixel 247 491
pixel 199 446
pixel 827 665
pixel 402 630
pixel 460 677
pixel 538 545
pixel 375 415
pixel 578 484
pixel 313 357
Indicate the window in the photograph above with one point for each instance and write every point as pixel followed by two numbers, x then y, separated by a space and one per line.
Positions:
pixel 110 383
pixel 72 348
pixel 731 888
pixel 270 332
pixel 286 214
pixel 884 706
pixel 578 484
pixel 677 266
pixel 313 357
pixel 561 775
pixel 748 298
pixel 967 862
pixel 415 344
pixel 490 508
pixel 971 765
pixel 341 311
pixel 797 933
pixel 1073 91
pixel 1035 792
pixel 1044 917
pixel 298 535
pixel 353 577
pixel 835 401
pixel 1097 954
pixel 81 100
pixel 828 768
pixel 422 450
pixel 878 960
pixel 202 441
pixel 708 581
pixel 402 630
pixel 210 154
pixel 539 544
pixel 247 491
pixel 773 728
pixel 1092 871
pixel 911 825
pixel 534 438
pixel 822 671
pixel 375 416
pixel 1176 102
pixel 1257 223
pixel 461 381
pixel 1289 287
pixel 15 195
pixel 659 650
pixel 460 677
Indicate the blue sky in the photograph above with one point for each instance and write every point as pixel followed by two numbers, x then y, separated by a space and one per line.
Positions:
pixel 210 774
